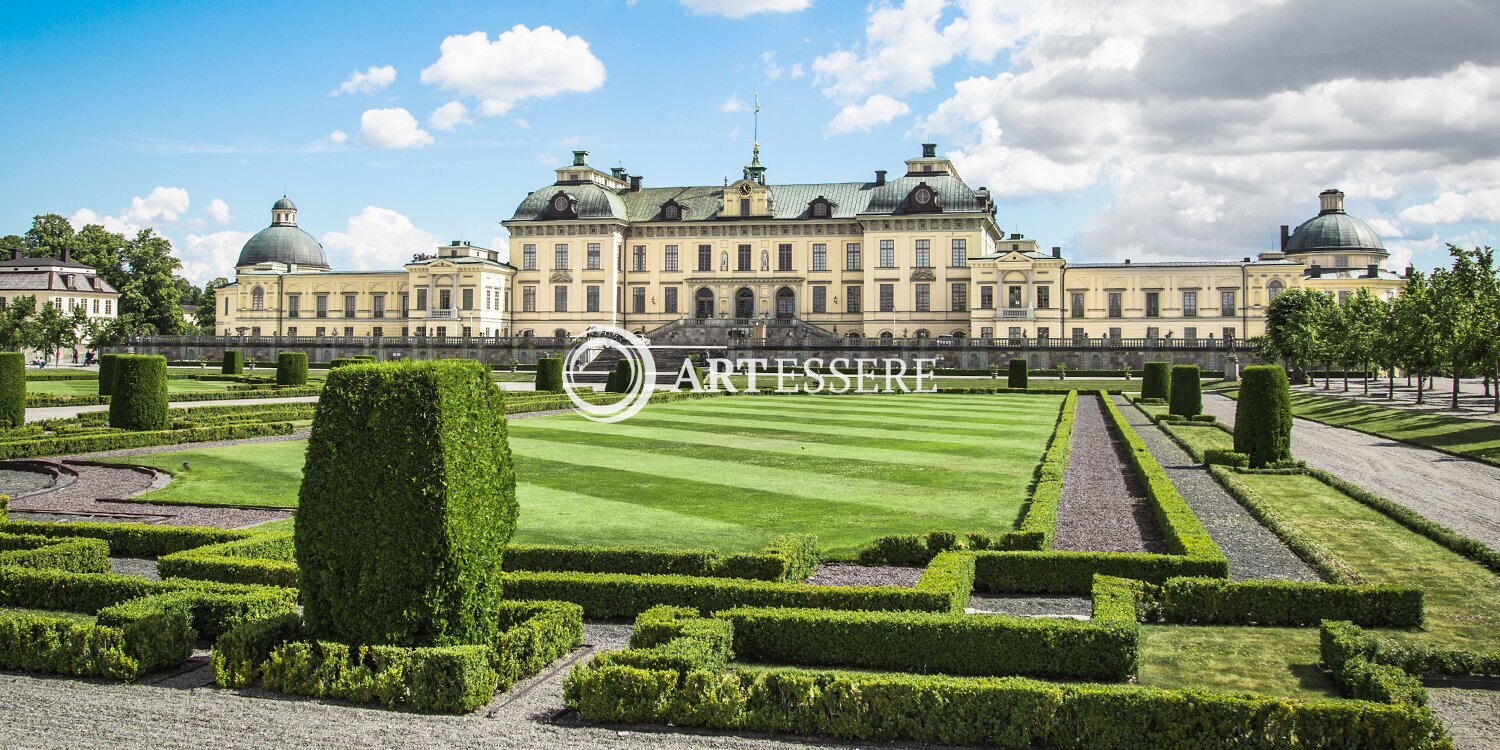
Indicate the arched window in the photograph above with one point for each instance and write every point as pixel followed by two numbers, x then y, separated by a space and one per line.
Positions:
pixel 561 333
pixel 887 336
pixel 528 333
pixel 703 303
pixel 1274 288
pixel 923 333
pixel 670 213
pixel 959 334
pixel 258 299
pixel 852 335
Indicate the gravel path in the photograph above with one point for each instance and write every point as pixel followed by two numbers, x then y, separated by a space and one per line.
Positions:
pixel 13 482
pixel 86 497
pixel 1022 605
pixel 1253 551
pixel 1458 493
pixel 841 574
pixel 300 434
pixel 1104 507
pixel 1472 716
pixel 134 566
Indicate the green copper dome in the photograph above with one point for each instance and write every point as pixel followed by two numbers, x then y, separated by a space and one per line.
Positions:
pixel 1332 230
pixel 283 241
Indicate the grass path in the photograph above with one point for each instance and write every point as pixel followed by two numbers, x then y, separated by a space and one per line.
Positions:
pixel 1270 661
pixel 91 387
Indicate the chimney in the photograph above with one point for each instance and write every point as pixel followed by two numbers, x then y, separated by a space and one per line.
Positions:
pixel 1332 201
pixel 1410 270
pixel 1372 271
pixel 1127 261
pixel 1315 271
pixel 1286 236
pixel 15 253
pixel 67 255
pixel 580 158
pixel 879 177
pixel 1247 259
pixel 1056 251
pixel 635 182
pixel 929 150
pixel 617 173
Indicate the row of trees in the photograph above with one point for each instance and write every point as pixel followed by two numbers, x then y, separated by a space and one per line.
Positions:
pixel 24 325
pixel 1446 322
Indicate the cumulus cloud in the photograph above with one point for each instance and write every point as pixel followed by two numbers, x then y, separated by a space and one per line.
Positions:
pixel 873 112
pixel 207 256
pixel 742 8
pixel 449 116
pixel 376 78
pixel 520 63
pixel 392 128
pixel 733 103
pixel 1452 208
pixel 161 205
pixel 218 211
pixel 378 238
pixel 338 137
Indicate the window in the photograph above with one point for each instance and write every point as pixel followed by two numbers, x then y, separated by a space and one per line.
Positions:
pixel 1114 305
pixel 960 253
pixel 887 297
pixel 960 297
pixel 638 299
pixel 986 332
pixel 1044 297
pixel 820 299
pixel 256 331
pixel 638 258
pixel 1114 334
pixel 887 253
pixel 1044 333
pixel 986 297
pixel 593 256
pixel 1190 333
pixel 819 210
pixel 1341 261
pixel 1013 296
pixel 377 305
pixel 291 330
pixel 96 305
pixel 1229 334
pixel 1226 303
pixel 1274 288
pixel 1343 296
pixel 293 305
pixel 852 261
pixel 819 257
pixel 924 297
pixel 442 332
pixel 528 299
pixel 744 207
pixel 1189 304
pixel 671 212
pixel 445 299
pixel 744 258
pixel 467 295
pixel 1078 334
pixel 705 257
pixel 560 299
pixel 528 257
pixel 406 305
pixel 669 298
pixel 784 257
pixel 854 299
pixel 109 303
pixel 1153 304
pixel 421 299
pixel 560 257
pixel 257 299
pixel 669 263
pixel 591 298
pixel 322 305
pixel 349 305
pixel 1153 333
pixel 924 254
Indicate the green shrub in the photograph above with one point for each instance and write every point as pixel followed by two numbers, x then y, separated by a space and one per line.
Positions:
pixel 1040 514
pixel 1204 418
pixel 12 390
pixel 106 373
pixel 138 397
pixel 265 559
pixel 74 555
pixel 291 369
pixel 1017 374
pixel 131 539
pixel 115 440
pixel 1186 391
pixel 1221 457
pixel 908 550
pixel 415 446
pixel 620 377
pixel 549 374
pixel 1156 380
pixel 338 362
pixel 1349 653
pixel 365 357
pixel 697 377
pixel 234 362
pixel 1209 601
pixel 1263 416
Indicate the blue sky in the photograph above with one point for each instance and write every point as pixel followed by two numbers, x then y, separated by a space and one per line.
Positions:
pixel 195 117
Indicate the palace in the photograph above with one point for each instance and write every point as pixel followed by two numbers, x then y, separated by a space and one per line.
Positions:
pixel 917 255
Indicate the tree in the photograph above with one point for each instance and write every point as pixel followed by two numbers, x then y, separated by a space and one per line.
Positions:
pixel 1295 327
pixel 57 330
pixel 49 235
pixel 151 291
pixel 208 305
pixel 105 251
pixel 18 325
pixel 1330 332
pixel 1414 339
pixel 1363 315
pixel 11 243
pixel 1456 316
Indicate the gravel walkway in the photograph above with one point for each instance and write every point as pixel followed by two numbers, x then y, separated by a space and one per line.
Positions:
pixel 841 574
pixel 1022 605
pixel 1458 493
pixel 13 482
pixel 134 566
pixel 1472 716
pixel 1253 551
pixel 125 452
pixel 1103 508
pixel 86 497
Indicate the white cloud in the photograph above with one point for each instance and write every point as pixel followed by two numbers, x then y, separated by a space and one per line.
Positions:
pixel 392 128
pixel 742 8
pixel 522 123
pixel 1452 208
pixel 797 70
pixel 218 211
pixel 873 112
pixel 378 238
pixel 164 203
pixel 449 116
pixel 338 136
pixel 733 104
pixel 207 256
pixel 772 69
pixel 374 79
pixel 520 63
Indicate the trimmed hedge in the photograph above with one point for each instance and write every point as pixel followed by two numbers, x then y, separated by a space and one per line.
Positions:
pixel 1263 416
pixel 1016 377
pixel 1348 654
pixel 131 539
pixel 937 643
pixel 1040 515
pixel 1411 658
pixel 291 369
pixel 234 362
pixel 1186 392
pixel 1221 457
pixel 123 644
pixel 1212 601
pixel 1304 545
pixel 138 396
pixel 265 559
pixel 52 553
pixel 1467 546
pixel 1156 380
pixel 338 362
pixel 620 377
pixel 12 390
pixel 103 441
pixel 916 550
pixel 106 373
pixel 549 374
pixel 415 446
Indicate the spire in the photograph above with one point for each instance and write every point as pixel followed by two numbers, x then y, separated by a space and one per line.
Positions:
pixel 755 171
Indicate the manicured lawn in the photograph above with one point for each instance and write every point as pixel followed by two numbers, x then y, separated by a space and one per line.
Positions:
pixel 255 474
pixel 728 473
pixel 1463 597
pixel 1198 438
pixel 91 387
pixel 1272 661
pixel 53 613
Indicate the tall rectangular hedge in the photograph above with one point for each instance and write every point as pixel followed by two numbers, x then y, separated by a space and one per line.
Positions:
pixel 234 362
pixel 291 368
pixel 138 398
pixel 12 389
pixel 1263 416
pixel 1156 380
pixel 106 373
pixel 1186 396
pixel 407 502
pixel 1016 378
pixel 549 374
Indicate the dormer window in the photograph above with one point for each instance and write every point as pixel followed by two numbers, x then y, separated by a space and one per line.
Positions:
pixel 562 206
pixel 820 208
pixel 923 199
pixel 672 211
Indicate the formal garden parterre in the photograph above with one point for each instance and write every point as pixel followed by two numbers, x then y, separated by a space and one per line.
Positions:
pixel 701 520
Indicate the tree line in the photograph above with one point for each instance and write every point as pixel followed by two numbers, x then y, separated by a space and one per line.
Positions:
pixel 1443 323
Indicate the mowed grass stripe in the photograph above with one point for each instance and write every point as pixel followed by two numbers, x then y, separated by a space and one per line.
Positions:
pixel 936 422
pixel 728 430
pixel 977 414
pixel 555 516
pixel 907 433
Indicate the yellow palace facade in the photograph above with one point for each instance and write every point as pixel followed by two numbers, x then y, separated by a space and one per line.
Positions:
pixel 915 255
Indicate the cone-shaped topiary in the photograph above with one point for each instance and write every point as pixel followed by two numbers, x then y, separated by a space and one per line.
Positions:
pixel 12 389
pixel 138 395
pixel 549 374
pixel 1187 391
pixel 291 368
pixel 407 503
pixel 106 373
pixel 1263 416
pixel 1156 380
pixel 1017 373
pixel 619 379
pixel 234 362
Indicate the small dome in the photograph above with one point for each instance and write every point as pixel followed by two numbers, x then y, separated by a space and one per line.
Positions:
pixel 283 244
pixel 1333 230
pixel 285 204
